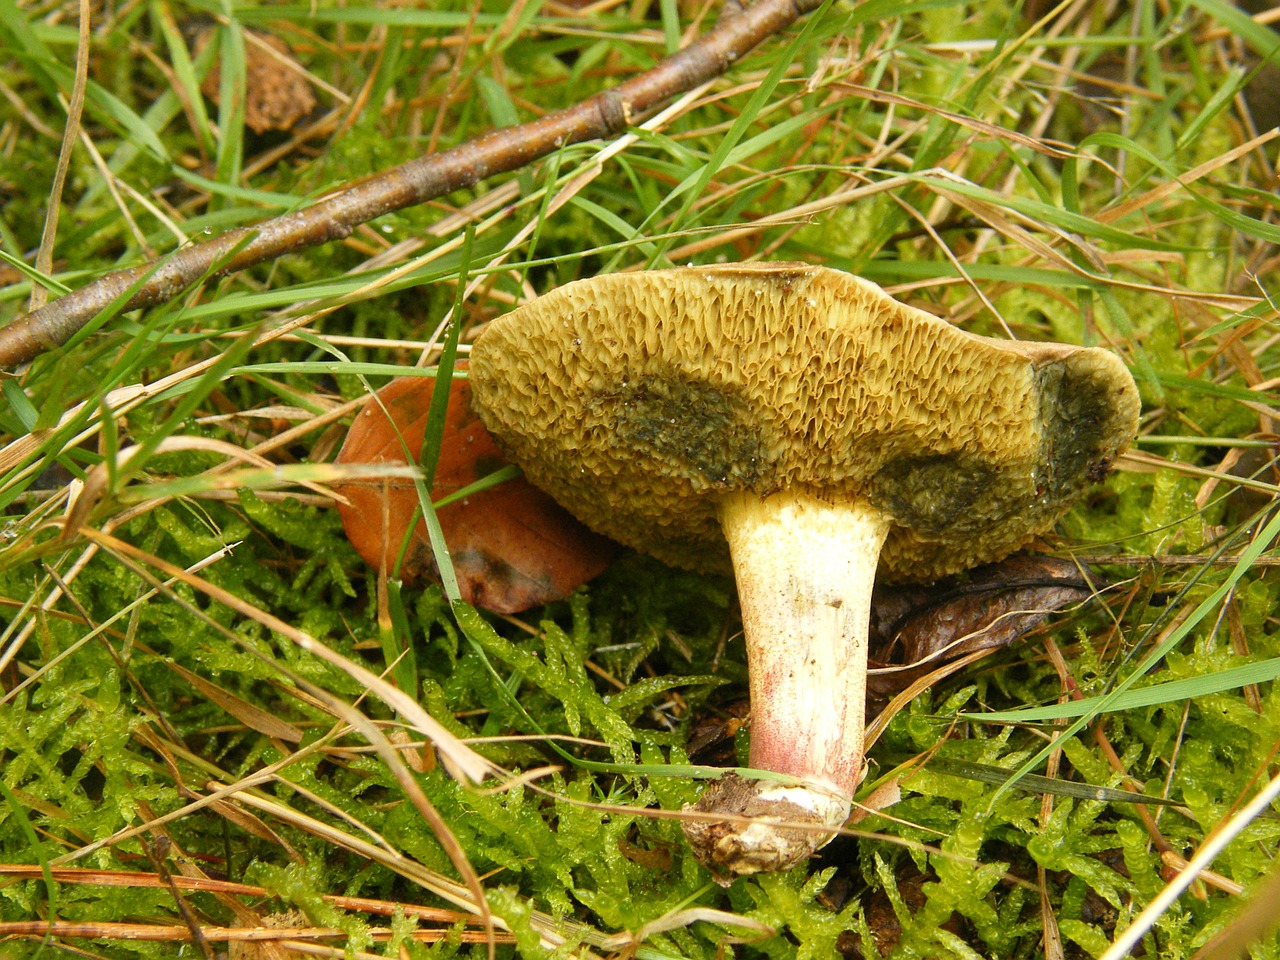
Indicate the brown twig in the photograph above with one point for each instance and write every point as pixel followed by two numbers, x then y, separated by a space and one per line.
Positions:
pixel 417 181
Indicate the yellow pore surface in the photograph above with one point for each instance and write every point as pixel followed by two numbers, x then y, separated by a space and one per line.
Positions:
pixel 639 399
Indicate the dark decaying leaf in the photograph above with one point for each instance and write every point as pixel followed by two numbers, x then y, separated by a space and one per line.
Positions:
pixel 512 546
pixel 712 734
pixel 277 93
pixel 915 629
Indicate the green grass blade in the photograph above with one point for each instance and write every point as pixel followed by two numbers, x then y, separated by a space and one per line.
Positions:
pixel 1261 543
pixel 1171 691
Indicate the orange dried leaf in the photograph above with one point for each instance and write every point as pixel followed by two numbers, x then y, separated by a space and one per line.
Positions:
pixel 512 546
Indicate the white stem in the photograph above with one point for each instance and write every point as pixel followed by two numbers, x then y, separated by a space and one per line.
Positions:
pixel 805 568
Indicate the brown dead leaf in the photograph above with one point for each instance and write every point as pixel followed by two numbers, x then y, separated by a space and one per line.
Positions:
pixel 920 628
pixel 277 91
pixel 711 734
pixel 657 859
pixel 512 546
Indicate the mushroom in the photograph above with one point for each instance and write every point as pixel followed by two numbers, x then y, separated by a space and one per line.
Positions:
pixel 799 424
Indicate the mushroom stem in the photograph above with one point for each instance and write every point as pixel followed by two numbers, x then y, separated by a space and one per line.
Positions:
pixel 805 568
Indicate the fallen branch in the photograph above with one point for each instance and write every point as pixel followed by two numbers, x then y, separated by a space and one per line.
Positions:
pixel 417 181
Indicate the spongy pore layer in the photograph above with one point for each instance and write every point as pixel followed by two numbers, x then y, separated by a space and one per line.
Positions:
pixel 637 400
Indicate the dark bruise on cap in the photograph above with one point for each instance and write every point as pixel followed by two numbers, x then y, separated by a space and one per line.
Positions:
pixel 638 399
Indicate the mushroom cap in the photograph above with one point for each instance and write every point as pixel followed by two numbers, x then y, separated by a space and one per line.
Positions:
pixel 638 400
